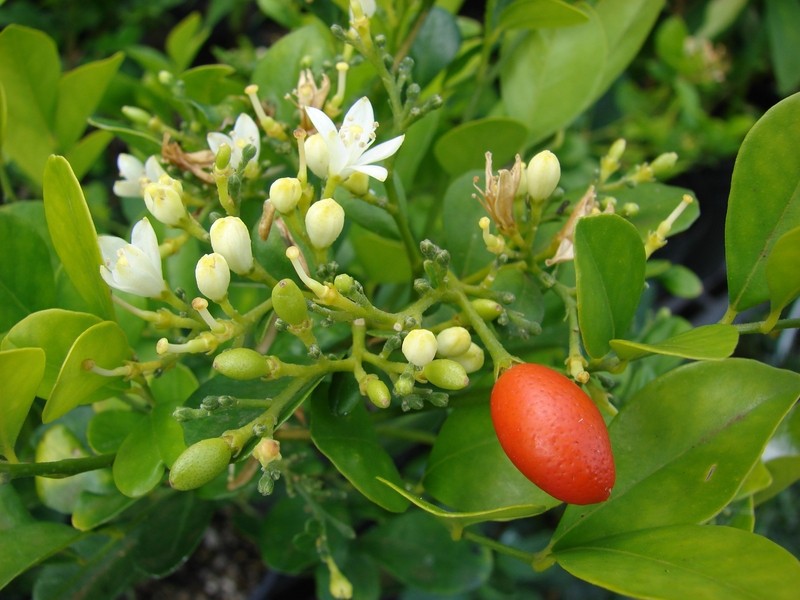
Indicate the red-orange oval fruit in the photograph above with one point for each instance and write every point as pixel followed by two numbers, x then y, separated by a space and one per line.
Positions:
pixel 553 433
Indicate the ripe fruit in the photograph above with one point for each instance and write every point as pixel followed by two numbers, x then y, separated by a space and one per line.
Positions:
pixel 553 433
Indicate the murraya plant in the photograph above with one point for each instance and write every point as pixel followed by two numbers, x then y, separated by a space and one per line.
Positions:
pixel 393 353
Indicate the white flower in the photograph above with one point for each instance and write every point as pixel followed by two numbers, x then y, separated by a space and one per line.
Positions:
pixel 213 276
pixel 245 132
pixel 231 239
pixel 134 267
pixel 324 222
pixel 348 147
pixel 163 200
pixel 136 175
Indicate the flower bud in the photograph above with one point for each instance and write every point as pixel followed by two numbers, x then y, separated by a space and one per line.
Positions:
pixel 453 341
pixel 324 222
pixel 378 393
pixel 223 157
pixel 242 364
pixel 289 303
pixel 664 163
pixel 357 183
pixel 419 347
pixel 472 359
pixel 446 374
pixel 543 173
pixel 213 276
pixel 230 238
pixel 137 115
pixel 488 310
pixel 344 283
pixel 163 200
pixel 267 451
pixel 284 193
pixel 317 157
pixel 199 464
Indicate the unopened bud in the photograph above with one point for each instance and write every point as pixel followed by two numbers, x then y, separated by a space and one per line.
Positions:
pixel 453 341
pixel 324 222
pixel 284 193
pixel 664 163
pixel 446 374
pixel 199 464
pixel 317 157
pixel 213 276
pixel 543 173
pixel 137 115
pixel 289 303
pixel 357 183
pixel 378 393
pixel 223 157
pixel 472 359
pixel 242 364
pixel 419 347
pixel 231 239
pixel 267 451
pixel 163 200
pixel 488 310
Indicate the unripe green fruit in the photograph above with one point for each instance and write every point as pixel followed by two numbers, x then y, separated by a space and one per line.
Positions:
pixel 488 310
pixel 242 364
pixel 446 374
pixel 378 393
pixel 199 464
pixel 289 303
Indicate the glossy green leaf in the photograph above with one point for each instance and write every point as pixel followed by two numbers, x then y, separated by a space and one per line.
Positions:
pixel 74 236
pixel 468 470
pixel 656 201
pixel 32 543
pixel 209 83
pixel 54 331
pixel 138 466
pixel 681 281
pixel 185 40
pixel 785 470
pixel 85 154
pixel 534 14
pixel 146 143
pixel 464 147
pixel 29 69
pixel 21 372
pixel 462 236
pixel 13 512
pixel 383 260
pixel 782 17
pixel 566 63
pixel 783 274
pixel 687 561
pixel 457 521
pixel 105 344
pixel 93 510
pixel 688 438
pixel 416 144
pixel 79 93
pixel 280 536
pixel 764 201
pixel 609 273
pixel 418 551
pixel 109 428
pixel 435 45
pixel 351 444
pixel 170 390
pixel 707 342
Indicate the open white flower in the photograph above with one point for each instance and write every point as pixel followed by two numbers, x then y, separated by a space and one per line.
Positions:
pixel 348 146
pixel 245 132
pixel 136 175
pixel 134 267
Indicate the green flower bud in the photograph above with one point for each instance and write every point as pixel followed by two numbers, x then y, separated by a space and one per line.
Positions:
pixel 453 341
pixel 472 359
pixel 664 163
pixel 488 310
pixel 284 194
pixel 543 173
pixel 289 303
pixel 378 393
pixel 199 464
pixel 137 115
pixel 446 374
pixel 223 157
pixel 419 347
pixel 242 363
pixel 344 283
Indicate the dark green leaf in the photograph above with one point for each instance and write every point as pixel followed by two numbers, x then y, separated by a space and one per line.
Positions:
pixel 719 15
pixel 278 536
pixel 208 83
pixel 682 282
pixel 93 510
pixel 32 543
pixel 462 236
pixel 435 46
pixel 383 260
pixel 464 147
pixel 21 372
pixel 109 428
pixel 707 342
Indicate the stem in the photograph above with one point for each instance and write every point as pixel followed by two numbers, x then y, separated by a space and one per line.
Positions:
pixel 526 557
pixel 757 327
pixel 403 51
pixel 55 469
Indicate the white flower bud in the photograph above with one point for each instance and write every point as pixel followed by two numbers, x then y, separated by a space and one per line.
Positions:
pixel 453 341
pixel 543 173
pixel 284 193
pixel 164 202
pixel 324 222
pixel 472 359
pixel 213 276
pixel 317 157
pixel 419 347
pixel 230 238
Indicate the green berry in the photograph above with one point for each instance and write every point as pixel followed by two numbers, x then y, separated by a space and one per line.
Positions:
pixel 199 464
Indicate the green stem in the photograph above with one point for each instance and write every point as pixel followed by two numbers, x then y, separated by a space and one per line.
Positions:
pixel 55 469
pixel 757 327
pixel 526 557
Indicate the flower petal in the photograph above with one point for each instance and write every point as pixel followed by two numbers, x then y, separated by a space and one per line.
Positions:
pixel 321 121
pixel 362 115
pixel 153 169
pixel 109 246
pixel 381 151
pixel 130 167
pixel 144 238
pixel 378 172
pixel 128 188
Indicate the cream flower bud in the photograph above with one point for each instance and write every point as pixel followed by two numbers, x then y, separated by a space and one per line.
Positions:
pixel 284 193
pixel 472 360
pixel 230 238
pixel 419 347
pixel 267 451
pixel 453 341
pixel 317 157
pixel 213 276
pixel 163 200
pixel 543 173
pixel 324 222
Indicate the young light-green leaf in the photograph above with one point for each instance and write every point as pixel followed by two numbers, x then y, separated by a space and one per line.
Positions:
pixel 783 271
pixel 74 236
pixel 536 14
pixel 764 201
pixel 609 272
pixel 21 371
pixel 185 40
pixel 138 467
pixel 707 342
pixel 687 561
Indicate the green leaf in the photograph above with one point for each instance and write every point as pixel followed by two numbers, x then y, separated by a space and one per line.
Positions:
pixel 464 147
pixel 707 342
pixel 208 83
pixel 29 69
pixel 457 521
pixel 144 142
pixel 351 444
pixel 138 466
pixel 784 42
pixel 109 428
pixel 764 201
pixel 185 40
pixel 533 14
pixel 170 390
pixel 32 543
pixel 468 470
pixel 106 346
pixel 3 115
pixel 12 509
pixel 783 276
pixel 687 561
pixel 435 45
pixel 21 372
pixel 79 93
pixel 681 281
pixel 719 15
pixel 27 281
pixel 74 236
pixel 383 260
pixel 85 154
pixel 54 331
pixel 688 438
pixel 462 236
pixel 566 63
pixel 93 510
pixel 419 552
pixel 656 201
pixel 609 273
pixel 280 533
